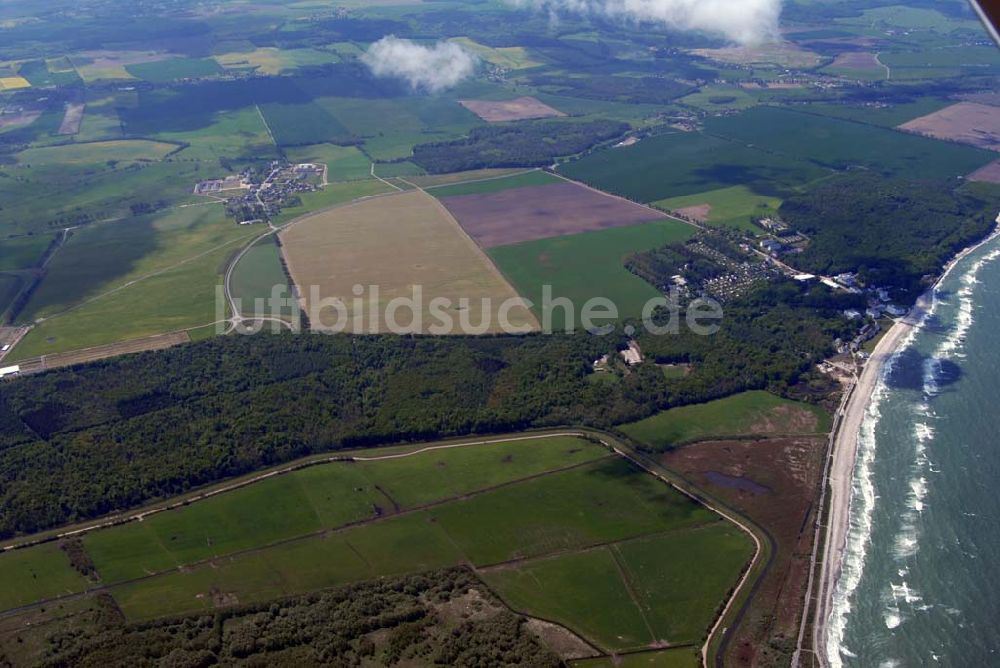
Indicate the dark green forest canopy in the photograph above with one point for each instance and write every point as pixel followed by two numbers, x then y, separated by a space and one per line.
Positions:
pixel 518 145
pixel 893 232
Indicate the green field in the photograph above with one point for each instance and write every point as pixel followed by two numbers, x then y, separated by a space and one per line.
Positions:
pixel 686 163
pixel 840 144
pixel 731 207
pixel 583 266
pixel 256 275
pixel 322 497
pixel 173 69
pixel 10 287
pixel 39 573
pixel 560 510
pixel 623 596
pixel 119 281
pixel 125 150
pixel 345 163
pixel 495 185
pixel 302 124
pixel 23 252
pixel 741 414
pixel 890 116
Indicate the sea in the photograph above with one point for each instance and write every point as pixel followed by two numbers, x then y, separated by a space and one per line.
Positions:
pixel 921 575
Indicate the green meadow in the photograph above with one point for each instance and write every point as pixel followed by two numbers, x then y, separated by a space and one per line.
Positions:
pixel 733 207
pixel 583 266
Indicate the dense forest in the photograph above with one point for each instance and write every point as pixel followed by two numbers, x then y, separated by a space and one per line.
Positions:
pixel 405 620
pixel 534 144
pixel 893 233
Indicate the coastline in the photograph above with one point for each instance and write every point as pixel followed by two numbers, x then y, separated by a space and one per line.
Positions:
pixel 845 448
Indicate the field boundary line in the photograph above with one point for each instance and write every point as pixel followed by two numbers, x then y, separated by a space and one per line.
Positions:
pixel 630 588
pixel 482 180
pixel 758 546
pixel 266 126
pixel 659 212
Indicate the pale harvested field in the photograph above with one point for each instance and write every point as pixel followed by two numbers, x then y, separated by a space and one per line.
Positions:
pixel 784 54
pixel 965 122
pixel 395 243
pixel 988 174
pixel 72 119
pixel 857 60
pixel 521 109
pixel 20 118
pixel 540 212
pixel 699 213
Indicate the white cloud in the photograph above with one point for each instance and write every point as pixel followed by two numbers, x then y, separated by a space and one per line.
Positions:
pixel 742 21
pixel 430 68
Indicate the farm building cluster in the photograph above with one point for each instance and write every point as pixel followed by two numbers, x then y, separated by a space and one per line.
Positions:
pixel 263 193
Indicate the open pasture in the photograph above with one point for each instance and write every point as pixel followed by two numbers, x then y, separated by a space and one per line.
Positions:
pixel 95 153
pixel 344 163
pixel 122 281
pixel 780 54
pixel 686 163
pixel 520 109
pixel 583 266
pixel 508 57
pixel 757 413
pixel 966 122
pixel 174 69
pixel 624 596
pixel 862 65
pixel 733 207
pixel 839 144
pixel 539 212
pixel 395 242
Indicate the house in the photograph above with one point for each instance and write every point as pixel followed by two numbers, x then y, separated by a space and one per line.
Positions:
pixel 632 354
pixel 10 371
pixel 771 246
pixel 895 311
pixel 852 314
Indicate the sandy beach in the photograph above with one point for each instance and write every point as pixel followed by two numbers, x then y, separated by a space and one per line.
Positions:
pixel 845 450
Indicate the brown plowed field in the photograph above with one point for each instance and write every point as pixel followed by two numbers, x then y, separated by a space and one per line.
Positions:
pixel 965 122
pixel 540 212
pixel 988 174
pixel 521 109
